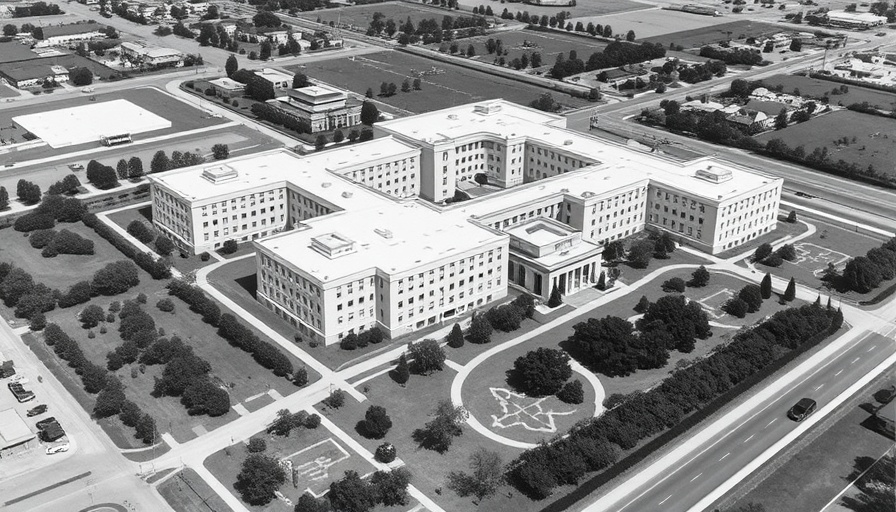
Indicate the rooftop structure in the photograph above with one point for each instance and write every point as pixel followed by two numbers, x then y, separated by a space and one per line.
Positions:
pixel 153 56
pixel 855 19
pixel 72 29
pixel 89 123
pixel 15 52
pixel 319 108
pixel 226 87
pixel 278 79
pixel 31 73
pixel 13 430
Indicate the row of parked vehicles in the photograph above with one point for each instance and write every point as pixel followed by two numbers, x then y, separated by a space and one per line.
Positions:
pixel 49 430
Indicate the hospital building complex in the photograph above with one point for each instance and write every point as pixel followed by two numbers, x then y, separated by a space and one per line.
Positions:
pixel 360 237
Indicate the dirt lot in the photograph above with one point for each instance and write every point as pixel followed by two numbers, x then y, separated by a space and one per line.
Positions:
pixel 815 88
pixel 712 33
pixel 874 138
pixel 444 85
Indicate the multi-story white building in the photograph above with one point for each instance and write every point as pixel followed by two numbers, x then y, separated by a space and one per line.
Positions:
pixel 319 108
pixel 353 249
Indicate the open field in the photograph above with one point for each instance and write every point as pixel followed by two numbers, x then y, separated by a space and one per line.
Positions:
pixel 182 116
pixel 711 33
pixel 517 43
pixel 582 9
pixel 817 88
pixel 359 16
pixel 319 456
pixel 875 138
pixel 187 492
pixel 449 86
pixel 649 23
pixel 825 466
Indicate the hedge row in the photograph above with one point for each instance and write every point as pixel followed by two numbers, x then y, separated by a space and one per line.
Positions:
pixel 645 414
pixel 231 329
pixel 158 269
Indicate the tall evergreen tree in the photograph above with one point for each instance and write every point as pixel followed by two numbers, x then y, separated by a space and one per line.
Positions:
pixel 121 168
pixel 231 65
pixel 766 287
pixel 4 198
pixel 402 371
pixel 160 162
pixel 790 292
pixel 480 330
pixel 556 299
pixel 456 337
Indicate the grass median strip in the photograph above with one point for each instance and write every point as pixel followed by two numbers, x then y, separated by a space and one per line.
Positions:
pixel 47 488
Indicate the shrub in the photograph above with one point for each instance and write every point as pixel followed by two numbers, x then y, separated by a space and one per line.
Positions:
pixel 164 245
pixel 349 342
pixel 376 422
pixel 114 278
pixel 456 337
pixel 336 399
pixel 676 284
pixel 204 256
pixel 762 252
pixel 736 306
pixel 34 221
pixel 506 318
pixel 572 392
pixel 256 445
pixel 166 305
pixel 312 421
pixel 229 247
pixel 555 299
pixel 787 252
pixel 480 331
pixel 140 231
pixel 642 305
pixel 402 372
pixel 773 260
pixel 41 238
pixel 385 453
pixel 300 378
pixel 540 372
pixel 699 278
pixel 66 242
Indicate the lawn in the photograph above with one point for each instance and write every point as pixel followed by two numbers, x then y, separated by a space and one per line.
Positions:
pixel 358 17
pixel 187 492
pixel 631 274
pixel 583 8
pixel 782 230
pixel 517 43
pixel 871 134
pixel 443 85
pixel 813 87
pixel 824 467
pixel 709 33
pixel 318 455
pixel 408 407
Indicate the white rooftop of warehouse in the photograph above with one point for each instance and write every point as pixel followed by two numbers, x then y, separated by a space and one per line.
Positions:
pixel 88 123
pixel 13 429
pixel 265 170
pixel 394 237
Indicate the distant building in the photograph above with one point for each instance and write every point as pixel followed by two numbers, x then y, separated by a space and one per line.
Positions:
pixel 750 121
pixel 229 28
pixel 858 20
pixel 22 75
pixel 227 88
pixel 278 79
pixel 152 56
pixel 65 34
pixel 319 108
pixel 276 37
pixel 551 3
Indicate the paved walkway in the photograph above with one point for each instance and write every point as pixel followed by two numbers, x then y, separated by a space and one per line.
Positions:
pixel 104 217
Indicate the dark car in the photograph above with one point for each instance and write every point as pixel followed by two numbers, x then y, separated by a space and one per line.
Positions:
pixel 34 411
pixel 44 423
pixel 802 409
pixel 52 433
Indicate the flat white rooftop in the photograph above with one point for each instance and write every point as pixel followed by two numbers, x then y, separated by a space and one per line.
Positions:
pixel 274 167
pixel 13 429
pixel 540 231
pixel 88 123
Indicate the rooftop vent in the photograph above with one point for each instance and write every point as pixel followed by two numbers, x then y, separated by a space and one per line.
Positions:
pixel 346 194
pixel 453 117
pixel 567 142
pixel 713 175
pixel 488 108
pixel 587 193
pixel 333 245
pixel 564 190
pixel 385 233
pixel 325 184
pixel 220 174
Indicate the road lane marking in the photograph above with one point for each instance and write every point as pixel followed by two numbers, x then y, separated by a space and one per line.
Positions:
pixel 819 387
pixel 854 360
pixel 665 500
pixel 723 456
pixel 872 348
pixel 839 372
pixel 696 477
pixel 747 439
pixel 770 423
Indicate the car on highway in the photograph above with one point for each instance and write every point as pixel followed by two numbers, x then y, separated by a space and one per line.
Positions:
pixel 57 449
pixel 802 409
pixel 44 423
pixel 37 410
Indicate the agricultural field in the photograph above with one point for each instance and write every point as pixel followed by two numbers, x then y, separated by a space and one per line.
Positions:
pixel 708 33
pixel 813 87
pixel 582 9
pixel 650 23
pixel 443 85
pixel 871 138
pixel 358 17
pixel 517 43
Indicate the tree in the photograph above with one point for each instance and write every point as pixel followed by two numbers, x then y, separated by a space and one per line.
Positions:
pixel 630 36
pixel 231 65
pixel 10 30
pixel 428 356
pixel 545 103
pixel 91 316
pixel 138 230
pixel 762 252
pixel 390 487
pixel 683 320
pixel 110 399
pixel 376 422
pixel 28 192
pixel 256 445
pixel 300 80
pixel 675 284
pixel 752 296
pixel 121 168
pixel 642 305
pixel 135 168
pixel 786 252
pixel 485 476
pixel 160 162
pixel 796 45
pixel 781 119
pixel 862 275
pixel 385 453
pixel 572 392
pixel 765 287
pixel 164 245
pixel 456 337
pixel 555 299
pixel 480 331
pixel 402 372
pixel 351 494
pixel 607 345
pixel 447 423
pixel 338 136
pixel 540 372
pixel 369 113
pixel 320 142
pixel 4 199
pixel 102 176
pixel 258 479
pixel 791 217
pixel 699 278
pixel 146 429
pixel 736 306
pixel 640 254
pixel 81 76
pixel 614 250
pixel 221 151
pixel 417 84
pixel 264 52
pixel 790 292
pixel 229 246
pixel 116 277
pixel 406 85
pixel 308 503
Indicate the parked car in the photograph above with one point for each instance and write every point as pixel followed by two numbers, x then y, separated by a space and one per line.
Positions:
pixel 57 449
pixel 802 409
pixel 20 379
pixel 44 423
pixel 37 410
pixel 52 433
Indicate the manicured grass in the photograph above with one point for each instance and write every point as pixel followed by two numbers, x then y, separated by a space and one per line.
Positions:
pixel 482 404
pixel 815 87
pixel 714 33
pixel 359 16
pixel 64 270
pixel 455 86
pixel 580 10
pixel 226 463
pixel 548 44
pixel 630 274
pixel 409 407
pixel 188 492
pixel 823 468
pixel 873 145
pixel 782 230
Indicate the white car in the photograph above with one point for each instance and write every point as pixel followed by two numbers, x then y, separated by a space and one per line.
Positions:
pixel 57 449
pixel 21 379
pixel 88 89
